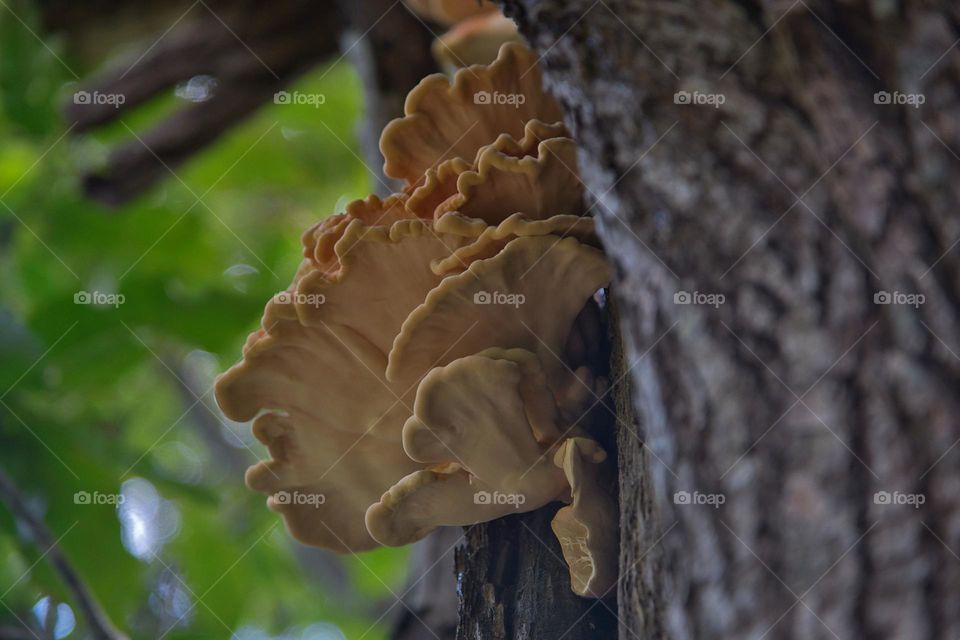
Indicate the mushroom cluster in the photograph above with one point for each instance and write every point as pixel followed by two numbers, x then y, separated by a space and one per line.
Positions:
pixel 425 367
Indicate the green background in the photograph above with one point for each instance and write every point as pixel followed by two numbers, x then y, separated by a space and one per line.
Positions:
pixel 90 396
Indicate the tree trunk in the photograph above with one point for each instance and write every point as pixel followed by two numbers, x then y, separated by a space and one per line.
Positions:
pixel 790 470
pixel 511 577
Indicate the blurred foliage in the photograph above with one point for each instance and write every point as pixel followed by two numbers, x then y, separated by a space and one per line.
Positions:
pixel 87 404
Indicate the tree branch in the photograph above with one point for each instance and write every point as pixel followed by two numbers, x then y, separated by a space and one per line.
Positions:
pixel 100 625
pixel 251 50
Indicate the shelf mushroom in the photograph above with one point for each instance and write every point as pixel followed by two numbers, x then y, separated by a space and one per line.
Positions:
pixel 476 30
pixel 422 355
pixel 445 120
pixel 484 424
pixel 489 429
pixel 587 528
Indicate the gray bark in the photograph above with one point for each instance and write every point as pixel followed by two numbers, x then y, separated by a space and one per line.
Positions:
pixel 798 398
pixel 514 584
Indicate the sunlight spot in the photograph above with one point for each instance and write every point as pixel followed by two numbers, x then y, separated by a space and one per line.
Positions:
pixel 197 89
pixel 148 520
pixel 171 600
pixel 249 632
pixel 239 274
pixel 322 631
pixel 63 620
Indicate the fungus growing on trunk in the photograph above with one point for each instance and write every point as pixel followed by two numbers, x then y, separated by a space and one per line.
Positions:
pixel 418 370
pixel 473 428
pixel 474 40
pixel 476 30
pixel 447 120
pixel 587 528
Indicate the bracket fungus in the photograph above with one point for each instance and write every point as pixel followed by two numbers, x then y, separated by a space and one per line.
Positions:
pixel 423 368
pixel 475 30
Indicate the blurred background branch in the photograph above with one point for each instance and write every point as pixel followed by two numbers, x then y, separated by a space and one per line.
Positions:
pixel 100 625
pixel 238 55
pixel 248 51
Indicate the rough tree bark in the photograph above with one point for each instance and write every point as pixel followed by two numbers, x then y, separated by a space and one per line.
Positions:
pixel 795 398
